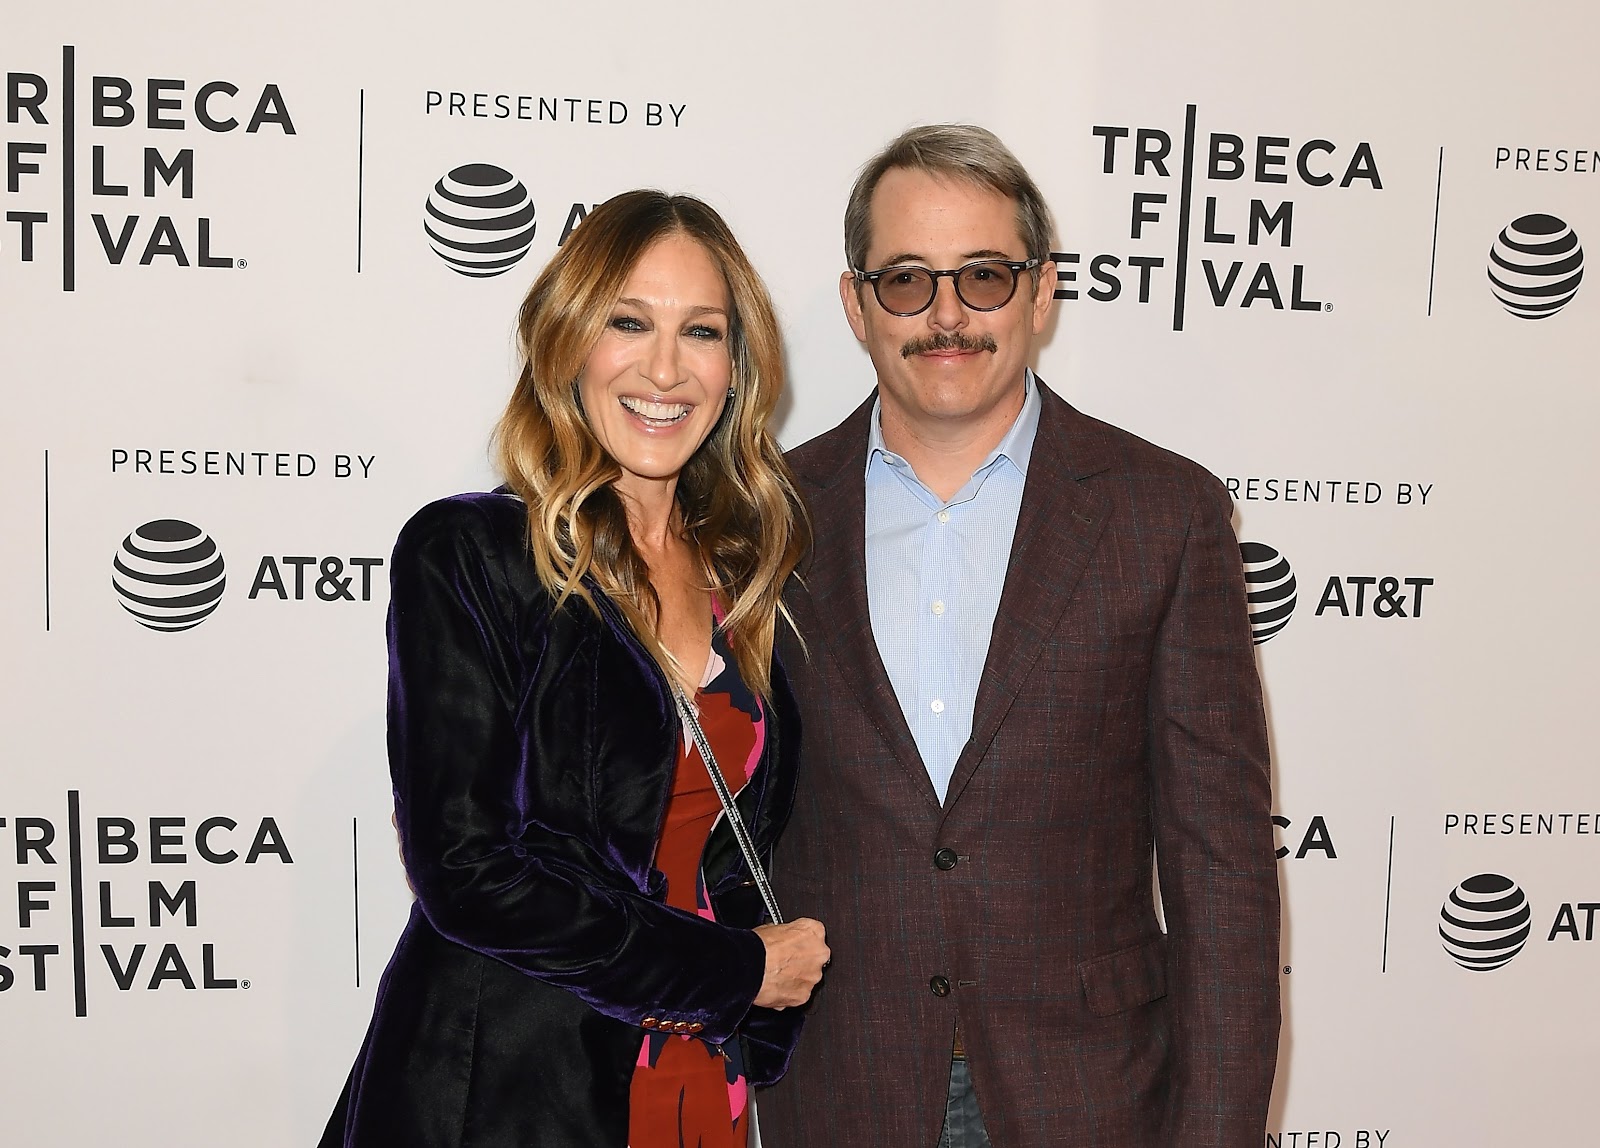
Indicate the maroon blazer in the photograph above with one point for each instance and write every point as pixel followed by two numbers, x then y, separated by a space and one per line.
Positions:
pixel 1118 723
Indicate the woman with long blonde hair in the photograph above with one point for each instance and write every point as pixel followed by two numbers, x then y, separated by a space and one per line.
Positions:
pixel 586 963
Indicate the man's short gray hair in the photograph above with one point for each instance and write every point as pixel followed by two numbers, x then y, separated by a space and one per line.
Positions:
pixel 953 151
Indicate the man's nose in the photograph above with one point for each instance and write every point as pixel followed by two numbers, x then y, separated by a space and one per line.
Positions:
pixel 947 312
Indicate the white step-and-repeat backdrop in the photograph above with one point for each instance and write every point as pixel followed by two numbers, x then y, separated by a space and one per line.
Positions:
pixel 1334 252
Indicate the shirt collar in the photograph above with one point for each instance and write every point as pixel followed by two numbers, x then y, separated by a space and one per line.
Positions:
pixel 1016 446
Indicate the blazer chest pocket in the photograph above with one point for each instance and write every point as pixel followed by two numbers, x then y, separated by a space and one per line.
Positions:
pixel 1096 713
pixel 1126 978
pixel 1102 646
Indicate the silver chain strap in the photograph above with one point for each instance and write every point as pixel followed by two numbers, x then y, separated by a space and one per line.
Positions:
pixel 735 822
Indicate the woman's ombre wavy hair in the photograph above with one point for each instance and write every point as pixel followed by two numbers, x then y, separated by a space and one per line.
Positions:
pixel 735 495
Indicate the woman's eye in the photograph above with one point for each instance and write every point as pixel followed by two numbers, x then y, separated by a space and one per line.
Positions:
pixel 709 334
pixel 626 323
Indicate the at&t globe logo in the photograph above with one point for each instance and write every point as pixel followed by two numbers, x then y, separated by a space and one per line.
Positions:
pixel 1485 922
pixel 1535 266
pixel 1271 589
pixel 168 574
pixel 479 220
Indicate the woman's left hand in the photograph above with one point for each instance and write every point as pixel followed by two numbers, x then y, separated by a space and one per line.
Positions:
pixel 796 954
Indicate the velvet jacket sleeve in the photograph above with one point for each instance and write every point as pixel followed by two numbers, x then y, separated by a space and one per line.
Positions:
pixel 1214 847
pixel 498 822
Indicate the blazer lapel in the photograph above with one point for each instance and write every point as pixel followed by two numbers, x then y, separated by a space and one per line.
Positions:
pixel 836 579
pixel 1058 525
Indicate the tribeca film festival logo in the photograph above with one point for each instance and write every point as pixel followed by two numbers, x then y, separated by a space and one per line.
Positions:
pixel 170 575
pixel 1235 228
pixel 70 882
pixel 480 219
pixel 1535 266
pixel 1316 838
pixel 1271 593
pixel 139 192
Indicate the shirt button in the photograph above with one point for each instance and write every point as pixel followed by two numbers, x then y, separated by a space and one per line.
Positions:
pixel 944 516
pixel 945 859
pixel 936 705
pixel 938 609
pixel 939 986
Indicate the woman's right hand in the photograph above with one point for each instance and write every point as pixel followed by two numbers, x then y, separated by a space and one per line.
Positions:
pixel 796 954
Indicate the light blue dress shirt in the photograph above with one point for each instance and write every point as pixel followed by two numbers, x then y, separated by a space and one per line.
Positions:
pixel 934 574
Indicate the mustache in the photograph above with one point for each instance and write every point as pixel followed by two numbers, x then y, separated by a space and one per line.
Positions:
pixel 948 341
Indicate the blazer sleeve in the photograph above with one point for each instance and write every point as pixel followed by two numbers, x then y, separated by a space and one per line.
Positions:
pixel 1214 847
pixel 487 871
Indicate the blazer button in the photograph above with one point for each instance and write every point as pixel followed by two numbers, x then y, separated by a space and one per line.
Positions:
pixel 649 1022
pixel 680 1026
pixel 945 859
pixel 940 986
pixel 697 1027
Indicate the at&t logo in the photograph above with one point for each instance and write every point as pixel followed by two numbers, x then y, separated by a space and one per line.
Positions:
pixel 1487 919
pixel 1485 922
pixel 480 220
pixel 169 575
pixel 1535 266
pixel 1347 596
pixel 1271 589
pixel 1272 593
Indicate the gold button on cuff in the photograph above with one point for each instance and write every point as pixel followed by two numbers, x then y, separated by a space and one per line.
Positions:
pixel 649 1022
pixel 696 1027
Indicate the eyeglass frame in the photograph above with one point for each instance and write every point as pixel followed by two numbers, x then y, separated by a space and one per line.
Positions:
pixel 1015 266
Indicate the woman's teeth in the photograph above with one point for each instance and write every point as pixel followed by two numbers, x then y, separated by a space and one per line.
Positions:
pixel 657 414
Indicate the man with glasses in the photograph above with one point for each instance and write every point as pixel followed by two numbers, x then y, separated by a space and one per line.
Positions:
pixel 1028 681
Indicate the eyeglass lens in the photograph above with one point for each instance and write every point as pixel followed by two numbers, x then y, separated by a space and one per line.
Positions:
pixel 981 286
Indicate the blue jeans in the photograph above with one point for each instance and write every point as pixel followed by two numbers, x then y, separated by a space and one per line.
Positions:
pixel 963 1123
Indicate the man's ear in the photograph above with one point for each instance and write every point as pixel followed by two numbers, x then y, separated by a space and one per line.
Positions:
pixel 1044 294
pixel 850 293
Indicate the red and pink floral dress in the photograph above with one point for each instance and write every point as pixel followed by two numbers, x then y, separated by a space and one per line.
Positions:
pixel 688 1093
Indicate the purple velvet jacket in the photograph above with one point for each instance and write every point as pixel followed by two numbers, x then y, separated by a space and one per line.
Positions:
pixel 532 751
